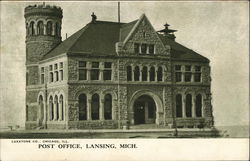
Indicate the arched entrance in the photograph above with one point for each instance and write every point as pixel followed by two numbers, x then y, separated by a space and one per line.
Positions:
pixel 144 110
pixel 139 98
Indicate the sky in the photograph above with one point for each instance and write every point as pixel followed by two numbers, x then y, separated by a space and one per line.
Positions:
pixel 216 30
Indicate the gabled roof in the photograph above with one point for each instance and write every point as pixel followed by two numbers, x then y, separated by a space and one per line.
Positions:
pixel 99 38
pixel 181 52
pixel 125 29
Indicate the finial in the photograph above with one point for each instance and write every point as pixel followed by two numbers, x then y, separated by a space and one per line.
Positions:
pixel 93 17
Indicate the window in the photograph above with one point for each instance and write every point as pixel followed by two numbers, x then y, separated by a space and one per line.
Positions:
pixel 178 104
pixel 82 101
pixel 198 107
pixel 143 48
pixel 151 49
pixel 32 28
pixel 136 48
pixel 62 108
pixel 189 105
pixel 178 73
pixel 144 73
pixel 159 74
pixel 61 71
pixel 51 73
pixel 82 70
pixel 188 73
pixel 197 74
pixel 57 108
pixel 108 107
pixel 152 74
pixel 107 73
pixel 129 73
pixel 95 71
pixel 49 28
pixel 56 72
pixel 57 29
pixel 137 73
pixel 51 108
pixel 95 105
pixel 42 75
pixel 40 28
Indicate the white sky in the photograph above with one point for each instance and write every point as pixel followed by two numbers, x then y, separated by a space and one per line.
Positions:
pixel 217 30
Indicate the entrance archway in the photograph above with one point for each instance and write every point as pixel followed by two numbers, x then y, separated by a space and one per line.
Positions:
pixel 144 110
pixel 138 100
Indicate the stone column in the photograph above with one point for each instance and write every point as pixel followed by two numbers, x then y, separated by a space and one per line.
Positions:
pixel 139 48
pixel 50 106
pixel 163 74
pixel 183 106
pixel 156 72
pixel 140 71
pixel 44 29
pixel 101 110
pixel 133 73
pixel 101 71
pixel 193 106
pixel 182 73
pixel 192 73
pixel 88 70
pixel 148 76
pixel 89 109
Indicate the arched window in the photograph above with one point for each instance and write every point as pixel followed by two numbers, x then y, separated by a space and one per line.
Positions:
pixel 129 73
pixel 51 108
pixel 56 108
pixel 159 74
pixel 32 28
pixel 144 73
pixel 108 107
pixel 95 105
pixel 61 108
pixel 189 105
pixel 198 107
pixel 27 29
pixel 49 28
pixel 178 103
pixel 57 29
pixel 152 74
pixel 40 28
pixel 82 100
pixel 137 73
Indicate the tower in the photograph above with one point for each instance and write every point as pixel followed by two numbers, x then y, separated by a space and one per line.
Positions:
pixel 43 33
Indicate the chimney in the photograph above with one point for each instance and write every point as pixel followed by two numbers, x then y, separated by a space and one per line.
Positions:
pixel 93 17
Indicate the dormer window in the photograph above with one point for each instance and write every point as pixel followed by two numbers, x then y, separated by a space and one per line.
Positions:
pixel 151 49
pixel 137 48
pixel 143 48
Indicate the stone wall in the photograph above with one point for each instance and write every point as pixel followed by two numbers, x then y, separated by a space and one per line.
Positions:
pixel 94 124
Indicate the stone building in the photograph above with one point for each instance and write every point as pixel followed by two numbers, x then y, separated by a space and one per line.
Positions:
pixel 112 75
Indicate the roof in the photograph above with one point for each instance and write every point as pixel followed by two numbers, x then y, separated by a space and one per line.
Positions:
pixel 181 52
pixel 99 38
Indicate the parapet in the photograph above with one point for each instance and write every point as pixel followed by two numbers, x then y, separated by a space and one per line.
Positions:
pixel 43 10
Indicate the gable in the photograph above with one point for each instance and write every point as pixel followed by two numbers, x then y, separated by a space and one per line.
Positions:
pixel 144 33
